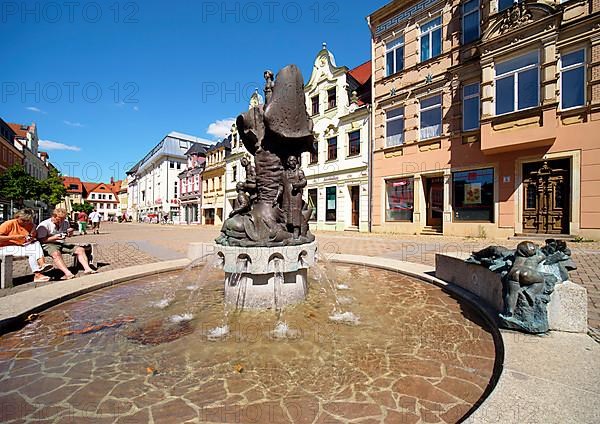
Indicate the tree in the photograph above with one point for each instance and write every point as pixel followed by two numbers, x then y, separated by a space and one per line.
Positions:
pixel 85 206
pixel 53 189
pixel 18 185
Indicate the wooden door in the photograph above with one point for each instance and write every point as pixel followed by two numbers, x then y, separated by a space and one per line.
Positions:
pixel 355 198
pixel 434 199
pixel 546 205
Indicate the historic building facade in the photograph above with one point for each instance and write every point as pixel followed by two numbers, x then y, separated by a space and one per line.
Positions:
pixel 27 141
pixel 484 117
pixel 213 177
pixel 234 171
pixel 153 192
pixel 338 101
pixel 190 184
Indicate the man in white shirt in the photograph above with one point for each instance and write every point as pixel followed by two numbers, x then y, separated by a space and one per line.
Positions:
pixel 52 233
pixel 95 217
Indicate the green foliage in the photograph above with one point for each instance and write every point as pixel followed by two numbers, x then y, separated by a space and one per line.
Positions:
pixel 53 190
pixel 17 185
pixel 85 206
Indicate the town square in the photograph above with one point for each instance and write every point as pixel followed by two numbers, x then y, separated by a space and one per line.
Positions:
pixel 396 220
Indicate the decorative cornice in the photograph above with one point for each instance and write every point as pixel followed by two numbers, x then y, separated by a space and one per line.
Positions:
pixel 405 15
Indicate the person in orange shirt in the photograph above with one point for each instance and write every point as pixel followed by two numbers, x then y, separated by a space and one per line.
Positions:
pixel 17 238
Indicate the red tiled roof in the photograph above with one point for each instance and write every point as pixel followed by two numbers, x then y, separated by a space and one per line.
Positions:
pixel 68 181
pixel 116 187
pixel 17 129
pixel 361 73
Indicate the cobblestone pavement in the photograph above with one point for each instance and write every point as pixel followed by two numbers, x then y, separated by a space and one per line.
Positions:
pixel 122 245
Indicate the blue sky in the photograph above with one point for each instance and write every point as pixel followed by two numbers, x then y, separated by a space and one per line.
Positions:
pixel 105 80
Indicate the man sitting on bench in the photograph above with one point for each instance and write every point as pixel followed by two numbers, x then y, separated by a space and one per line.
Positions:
pixel 17 238
pixel 52 233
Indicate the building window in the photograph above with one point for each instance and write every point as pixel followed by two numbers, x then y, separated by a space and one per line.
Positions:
pixel 175 191
pixel 431 39
pixel 331 203
pixel 93 196
pixel 470 21
pixel 394 56
pixel 471 107
pixel 517 83
pixel 234 173
pixel 314 156
pixel 400 200
pixel 313 202
pixel 331 98
pixel 315 105
pixel 171 164
pixel 394 127
pixel 431 117
pixel 505 4
pixel 354 143
pixel 332 148
pixel 572 79
pixel 474 195
pixel 178 165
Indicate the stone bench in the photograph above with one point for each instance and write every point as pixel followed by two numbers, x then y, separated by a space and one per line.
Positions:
pixel 17 266
pixel 567 310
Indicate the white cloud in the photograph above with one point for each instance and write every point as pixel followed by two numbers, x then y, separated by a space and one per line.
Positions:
pixel 35 109
pixel 221 128
pixel 74 124
pixel 136 109
pixel 53 145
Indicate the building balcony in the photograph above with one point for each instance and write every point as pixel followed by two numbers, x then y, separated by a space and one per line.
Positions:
pixel 520 130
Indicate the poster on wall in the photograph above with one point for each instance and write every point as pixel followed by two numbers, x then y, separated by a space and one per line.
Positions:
pixel 472 194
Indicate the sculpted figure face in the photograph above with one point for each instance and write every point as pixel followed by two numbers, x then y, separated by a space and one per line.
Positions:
pixel 292 162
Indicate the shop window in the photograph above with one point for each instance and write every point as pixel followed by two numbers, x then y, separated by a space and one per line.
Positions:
pixel 474 195
pixel 400 200
pixel 331 204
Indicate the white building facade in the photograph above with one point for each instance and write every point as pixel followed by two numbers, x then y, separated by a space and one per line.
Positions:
pixel 338 101
pixel 154 191
pixel 27 141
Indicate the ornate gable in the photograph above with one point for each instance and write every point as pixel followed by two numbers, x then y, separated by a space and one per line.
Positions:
pixel 324 69
pixel 520 15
